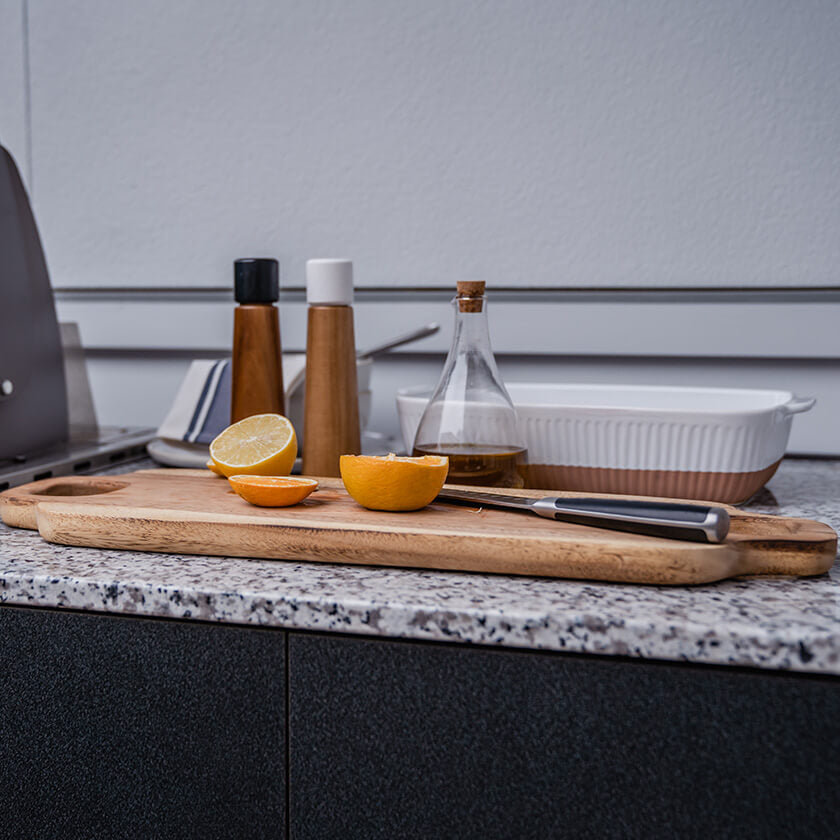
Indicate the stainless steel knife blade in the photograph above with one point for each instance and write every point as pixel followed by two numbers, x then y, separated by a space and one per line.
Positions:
pixel 670 520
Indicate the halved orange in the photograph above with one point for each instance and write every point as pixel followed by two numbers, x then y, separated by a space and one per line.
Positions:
pixel 272 490
pixel 211 465
pixel 393 482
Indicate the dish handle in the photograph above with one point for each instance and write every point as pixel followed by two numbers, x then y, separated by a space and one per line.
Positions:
pixel 796 405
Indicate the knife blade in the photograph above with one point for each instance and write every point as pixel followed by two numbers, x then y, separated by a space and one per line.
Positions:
pixel 671 520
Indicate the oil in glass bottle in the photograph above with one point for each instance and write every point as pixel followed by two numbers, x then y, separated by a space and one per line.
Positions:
pixel 470 417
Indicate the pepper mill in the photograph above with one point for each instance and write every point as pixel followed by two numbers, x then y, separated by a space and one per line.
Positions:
pixel 331 399
pixel 257 366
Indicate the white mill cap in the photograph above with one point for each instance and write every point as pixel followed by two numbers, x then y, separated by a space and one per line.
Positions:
pixel 329 282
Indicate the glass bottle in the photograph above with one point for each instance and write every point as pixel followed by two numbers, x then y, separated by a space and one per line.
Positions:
pixel 470 417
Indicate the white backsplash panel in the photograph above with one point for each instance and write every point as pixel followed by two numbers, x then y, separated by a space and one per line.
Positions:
pixel 527 143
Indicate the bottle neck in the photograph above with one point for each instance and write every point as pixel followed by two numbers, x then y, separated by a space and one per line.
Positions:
pixel 472 332
pixel 471 361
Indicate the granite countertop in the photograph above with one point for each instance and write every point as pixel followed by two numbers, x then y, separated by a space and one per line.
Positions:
pixel 774 623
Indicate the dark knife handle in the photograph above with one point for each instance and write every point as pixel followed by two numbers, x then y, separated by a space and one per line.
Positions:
pixel 698 523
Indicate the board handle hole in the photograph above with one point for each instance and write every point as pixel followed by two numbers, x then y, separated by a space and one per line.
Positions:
pixel 80 488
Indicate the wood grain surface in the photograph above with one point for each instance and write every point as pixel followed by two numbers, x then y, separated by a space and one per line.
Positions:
pixel 257 363
pixel 195 512
pixel 331 400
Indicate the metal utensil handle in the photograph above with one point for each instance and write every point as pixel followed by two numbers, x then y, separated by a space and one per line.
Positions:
pixel 407 338
pixel 697 523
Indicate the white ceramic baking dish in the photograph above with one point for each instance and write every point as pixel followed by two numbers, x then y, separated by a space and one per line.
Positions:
pixel 720 444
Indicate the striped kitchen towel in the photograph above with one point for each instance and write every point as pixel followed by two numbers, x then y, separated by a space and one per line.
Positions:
pixel 202 405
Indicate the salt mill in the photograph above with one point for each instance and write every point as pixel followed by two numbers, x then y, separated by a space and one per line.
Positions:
pixel 257 365
pixel 331 401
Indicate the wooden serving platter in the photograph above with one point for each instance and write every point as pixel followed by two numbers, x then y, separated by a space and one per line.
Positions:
pixel 195 512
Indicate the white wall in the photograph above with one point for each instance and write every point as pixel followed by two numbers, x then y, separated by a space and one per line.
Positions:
pixel 12 83
pixel 527 142
pixel 535 144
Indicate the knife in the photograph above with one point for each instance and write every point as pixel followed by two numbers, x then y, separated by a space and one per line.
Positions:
pixel 672 520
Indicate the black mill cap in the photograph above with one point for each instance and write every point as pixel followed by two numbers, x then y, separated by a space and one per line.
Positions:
pixel 256 280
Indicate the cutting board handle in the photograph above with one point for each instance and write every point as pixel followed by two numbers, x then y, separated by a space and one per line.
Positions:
pixel 18 506
pixel 72 485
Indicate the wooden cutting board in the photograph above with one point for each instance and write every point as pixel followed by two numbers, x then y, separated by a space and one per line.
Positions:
pixel 195 512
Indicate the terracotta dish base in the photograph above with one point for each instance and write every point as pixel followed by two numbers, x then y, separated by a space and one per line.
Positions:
pixel 731 488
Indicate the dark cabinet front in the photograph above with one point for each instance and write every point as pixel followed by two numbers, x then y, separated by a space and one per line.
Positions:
pixel 393 739
pixel 128 727
pixel 119 727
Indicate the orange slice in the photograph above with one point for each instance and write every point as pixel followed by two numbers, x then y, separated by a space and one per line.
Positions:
pixel 272 490
pixel 391 482
pixel 264 444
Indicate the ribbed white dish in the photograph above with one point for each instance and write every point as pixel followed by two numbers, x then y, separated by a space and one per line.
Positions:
pixel 646 431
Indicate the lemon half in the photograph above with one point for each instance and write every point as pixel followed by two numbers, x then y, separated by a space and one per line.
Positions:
pixel 265 444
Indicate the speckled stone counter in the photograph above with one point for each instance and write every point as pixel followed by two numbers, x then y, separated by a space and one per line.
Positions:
pixel 782 624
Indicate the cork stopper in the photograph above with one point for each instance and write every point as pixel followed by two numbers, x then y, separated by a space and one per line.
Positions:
pixel 470 295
